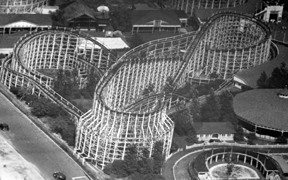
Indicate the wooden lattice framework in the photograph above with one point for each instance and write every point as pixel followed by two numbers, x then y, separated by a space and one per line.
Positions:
pixel 120 115
pixel 20 6
pixel 189 5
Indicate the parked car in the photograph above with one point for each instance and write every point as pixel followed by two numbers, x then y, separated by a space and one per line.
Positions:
pixel 59 175
pixel 4 127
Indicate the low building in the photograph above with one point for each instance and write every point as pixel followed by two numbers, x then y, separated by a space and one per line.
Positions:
pixel 263 112
pixel 79 16
pixel 11 23
pixel 223 131
pixel 149 21
pixel 272 12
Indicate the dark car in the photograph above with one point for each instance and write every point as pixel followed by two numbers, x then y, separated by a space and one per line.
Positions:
pixel 4 127
pixel 59 176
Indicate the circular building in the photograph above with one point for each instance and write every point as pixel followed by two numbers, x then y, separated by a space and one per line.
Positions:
pixel 20 6
pixel 263 111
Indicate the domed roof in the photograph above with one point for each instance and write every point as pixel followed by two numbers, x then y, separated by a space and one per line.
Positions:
pixel 262 107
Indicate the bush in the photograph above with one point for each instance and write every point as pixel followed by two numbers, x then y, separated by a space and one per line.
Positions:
pixel 15 91
pixel 43 107
pixel 174 147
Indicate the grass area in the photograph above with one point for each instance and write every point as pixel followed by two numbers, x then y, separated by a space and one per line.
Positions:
pixel 83 104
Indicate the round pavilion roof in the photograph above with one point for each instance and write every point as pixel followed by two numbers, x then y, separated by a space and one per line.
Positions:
pixel 263 107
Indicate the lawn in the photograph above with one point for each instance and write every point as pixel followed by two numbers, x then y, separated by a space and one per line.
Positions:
pixel 83 104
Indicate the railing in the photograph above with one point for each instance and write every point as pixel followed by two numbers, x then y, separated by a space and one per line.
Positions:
pixel 51 94
pixel 238 145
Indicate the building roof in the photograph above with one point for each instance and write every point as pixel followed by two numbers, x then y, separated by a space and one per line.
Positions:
pixel 77 9
pixel 262 107
pixel 250 76
pixel 108 42
pixel 281 161
pixel 8 41
pixel 214 128
pixel 38 19
pixel 181 14
pixel 141 17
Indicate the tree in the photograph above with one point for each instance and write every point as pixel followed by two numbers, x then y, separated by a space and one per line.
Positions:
pixel 121 19
pixel 131 159
pixel 195 109
pixel 183 121
pixel 117 168
pixel 226 108
pixel 51 2
pixel 174 147
pixel 158 157
pixel 58 18
pixel 135 41
pixel 187 90
pixel 40 108
pixel 145 164
pixel 262 82
pixel 67 83
pixel 230 164
pixel 279 77
pixel 92 80
pixel 213 75
pixel 211 109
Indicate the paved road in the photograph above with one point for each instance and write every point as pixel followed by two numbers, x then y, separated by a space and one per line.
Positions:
pixel 34 145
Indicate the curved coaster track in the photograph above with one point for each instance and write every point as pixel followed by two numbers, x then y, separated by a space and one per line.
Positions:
pixel 21 6
pixel 121 115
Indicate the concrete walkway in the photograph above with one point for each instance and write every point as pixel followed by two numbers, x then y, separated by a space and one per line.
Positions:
pixel 13 165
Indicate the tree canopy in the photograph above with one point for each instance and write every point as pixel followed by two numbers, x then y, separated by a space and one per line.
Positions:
pixel 278 78
pixel 210 110
pixel 137 165
pixel 121 19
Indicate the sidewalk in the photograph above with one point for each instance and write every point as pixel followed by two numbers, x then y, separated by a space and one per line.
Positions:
pixel 13 165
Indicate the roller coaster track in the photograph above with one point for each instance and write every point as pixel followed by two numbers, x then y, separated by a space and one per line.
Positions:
pixel 143 108
pixel 42 82
pixel 187 56
pixel 104 131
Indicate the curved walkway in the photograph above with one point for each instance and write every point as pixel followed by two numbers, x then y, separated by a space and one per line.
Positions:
pixel 167 169
pixel 174 162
